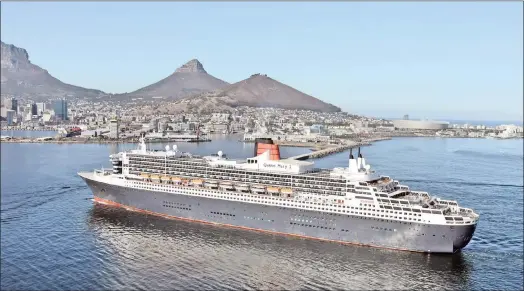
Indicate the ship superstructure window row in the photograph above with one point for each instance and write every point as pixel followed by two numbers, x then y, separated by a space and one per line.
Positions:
pixel 321 207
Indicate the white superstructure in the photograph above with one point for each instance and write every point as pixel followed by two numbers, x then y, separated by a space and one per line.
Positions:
pixel 354 190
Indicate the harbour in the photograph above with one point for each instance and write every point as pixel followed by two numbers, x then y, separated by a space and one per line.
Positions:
pixel 200 248
pixel 244 147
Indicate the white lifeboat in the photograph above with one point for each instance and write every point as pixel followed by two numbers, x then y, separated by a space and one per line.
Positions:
pixel 242 187
pixel 226 185
pixel 211 184
pixel 258 189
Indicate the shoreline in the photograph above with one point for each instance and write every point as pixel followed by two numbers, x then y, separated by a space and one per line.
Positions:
pixel 34 140
pixel 313 145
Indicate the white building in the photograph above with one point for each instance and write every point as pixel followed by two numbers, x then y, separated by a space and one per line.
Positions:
pixel 46 116
pixel 113 128
pixel 40 108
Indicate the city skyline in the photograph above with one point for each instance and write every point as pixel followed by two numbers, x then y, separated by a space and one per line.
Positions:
pixel 375 59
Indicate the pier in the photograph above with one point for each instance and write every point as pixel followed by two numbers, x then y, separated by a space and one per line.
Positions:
pixel 29 129
pixel 336 149
pixel 329 151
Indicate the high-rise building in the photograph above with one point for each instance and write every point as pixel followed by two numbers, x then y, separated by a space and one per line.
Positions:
pixel 40 108
pixel 60 108
pixel 14 105
pixel 11 104
pixel 32 109
pixel 113 128
pixel 10 116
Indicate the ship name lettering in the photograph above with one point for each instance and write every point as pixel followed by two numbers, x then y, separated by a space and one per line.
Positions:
pixel 285 167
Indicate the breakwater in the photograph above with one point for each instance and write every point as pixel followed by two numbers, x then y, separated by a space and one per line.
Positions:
pixel 29 129
pixel 336 149
pixel 90 141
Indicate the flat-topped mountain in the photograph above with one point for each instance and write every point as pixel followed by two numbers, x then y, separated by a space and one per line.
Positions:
pixel 256 91
pixel 189 79
pixel 22 78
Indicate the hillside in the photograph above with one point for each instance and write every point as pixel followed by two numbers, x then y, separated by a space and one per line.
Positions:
pixel 256 91
pixel 190 79
pixel 22 78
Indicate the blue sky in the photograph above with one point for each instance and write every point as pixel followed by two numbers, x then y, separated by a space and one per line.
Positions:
pixel 429 60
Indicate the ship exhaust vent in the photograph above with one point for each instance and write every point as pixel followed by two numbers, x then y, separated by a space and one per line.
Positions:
pixel 263 145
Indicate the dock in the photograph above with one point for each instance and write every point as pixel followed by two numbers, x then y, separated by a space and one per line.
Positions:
pixel 328 151
pixel 336 149
pixel 29 129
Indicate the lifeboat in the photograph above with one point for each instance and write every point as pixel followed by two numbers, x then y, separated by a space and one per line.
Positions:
pixel 242 187
pixel 226 185
pixel 146 177
pixel 155 177
pixel 197 182
pixel 211 184
pixel 258 189
pixel 286 190
pixel 273 190
pixel 175 180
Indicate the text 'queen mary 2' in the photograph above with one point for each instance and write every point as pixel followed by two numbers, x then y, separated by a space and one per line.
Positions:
pixel 285 196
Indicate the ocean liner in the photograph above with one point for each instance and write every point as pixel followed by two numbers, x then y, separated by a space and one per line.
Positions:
pixel 350 205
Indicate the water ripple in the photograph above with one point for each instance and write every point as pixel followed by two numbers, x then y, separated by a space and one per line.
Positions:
pixel 54 237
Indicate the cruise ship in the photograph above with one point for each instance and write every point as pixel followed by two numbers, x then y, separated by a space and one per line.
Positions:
pixel 351 205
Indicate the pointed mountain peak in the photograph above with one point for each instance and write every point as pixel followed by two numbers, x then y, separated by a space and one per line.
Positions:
pixel 193 66
pixel 258 75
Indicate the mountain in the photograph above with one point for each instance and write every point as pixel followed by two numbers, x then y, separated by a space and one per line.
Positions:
pixel 21 78
pixel 190 79
pixel 256 91
pixel 190 86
